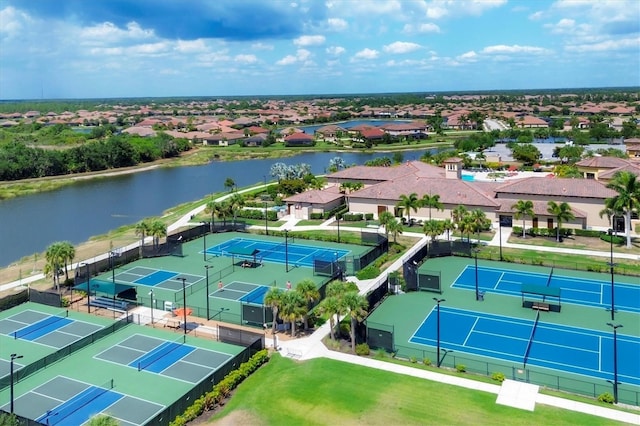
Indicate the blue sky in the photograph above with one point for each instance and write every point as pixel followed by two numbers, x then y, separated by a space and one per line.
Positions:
pixel 132 48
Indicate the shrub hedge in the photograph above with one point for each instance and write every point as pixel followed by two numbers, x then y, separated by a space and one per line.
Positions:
pixel 222 389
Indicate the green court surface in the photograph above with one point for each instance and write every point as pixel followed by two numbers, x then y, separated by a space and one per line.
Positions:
pixel 163 276
pixel 32 350
pixel 134 395
pixel 404 314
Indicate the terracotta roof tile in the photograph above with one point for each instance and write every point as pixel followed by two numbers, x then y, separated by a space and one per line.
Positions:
pixel 555 188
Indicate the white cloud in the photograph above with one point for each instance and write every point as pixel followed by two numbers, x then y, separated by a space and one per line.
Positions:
pixel 421 29
pixel 309 40
pixel 262 46
pixel 536 16
pixel 439 9
pixel 400 47
pixel 191 46
pixel 366 54
pixel 502 49
pixel 107 33
pixel 607 45
pixel 13 21
pixel 335 50
pixel 246 59
pixel 337 24
pixel 470 56
pixel 302 55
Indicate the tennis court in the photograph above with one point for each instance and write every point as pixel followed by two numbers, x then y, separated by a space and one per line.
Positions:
pixel 156 278
pixel 576 290
pixel 569 349
pixel 174 359
pixel 66 401
pixel 276 252
pixel 243 292
pixel 56 330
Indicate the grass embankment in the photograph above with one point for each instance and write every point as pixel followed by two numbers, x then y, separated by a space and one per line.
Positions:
pixel 328 392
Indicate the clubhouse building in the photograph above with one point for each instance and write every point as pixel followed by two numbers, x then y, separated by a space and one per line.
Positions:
pixel 382 187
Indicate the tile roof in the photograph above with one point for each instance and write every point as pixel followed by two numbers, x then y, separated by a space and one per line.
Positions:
pixel 603 162
pixel 316 196
pixel 539 209
pixel 555 188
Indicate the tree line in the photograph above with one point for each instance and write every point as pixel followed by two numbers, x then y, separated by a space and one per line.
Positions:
pixel 20 161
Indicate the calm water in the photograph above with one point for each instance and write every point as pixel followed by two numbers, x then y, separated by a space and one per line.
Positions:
pixel 75 213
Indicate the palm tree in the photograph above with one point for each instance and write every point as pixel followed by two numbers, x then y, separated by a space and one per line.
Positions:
pixel 627 186
pixel 142 229
pixel 394 228
pixel 273 299
pixel 229 183
pixel 102 420
pixel 337 289
pixel 293 308
pixel 356 306
pixel 429 200
pixel 479 221
pixel 523 208
pixel 236 203
pixel 458 214
pixel 466 226
pixel 54 256
pixel 157 230
pixel 562 212
pixel 447 225
pixel 67 253
pixel 212 208
pixel 384 218
pixel 432 228
pixel 330 306
pixel 408 203
pixel 310 293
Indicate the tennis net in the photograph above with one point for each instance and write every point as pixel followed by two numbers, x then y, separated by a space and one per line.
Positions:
pixel 164 349
pixel 77 402
pixel 550 276
pixel 280 248
pixel 40 324
pixel 533 332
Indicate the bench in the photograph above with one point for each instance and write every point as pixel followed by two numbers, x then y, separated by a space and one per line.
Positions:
pixel 294 353
pixel 111 304
pixel 540 306
pixel 173 323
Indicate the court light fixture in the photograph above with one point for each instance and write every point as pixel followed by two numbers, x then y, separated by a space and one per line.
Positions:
pixel 13 357
pixel 615 360
pixel 438 301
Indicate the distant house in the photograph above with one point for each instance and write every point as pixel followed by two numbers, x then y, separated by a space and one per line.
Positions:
pixel 255 140
pixel 371 134
pixel 299 139
pixel 223 139
pixel 331 132
pixel 530 122
pixel 632 147
pixel 603 168
pixel 302 205
pixel 413 130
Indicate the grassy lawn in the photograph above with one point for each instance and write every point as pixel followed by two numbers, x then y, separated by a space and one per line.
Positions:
pixel 328 392
pixel 310 222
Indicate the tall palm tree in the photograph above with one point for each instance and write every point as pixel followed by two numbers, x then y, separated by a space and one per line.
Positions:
pixel 432 228
pixel 102 420
pixel 310 293
pixel 330 306
pixel 142 230
pixel 458 214
pixel 466 226
pixel 273 299
pixel 212 208
pixel 479 221
pixel 237 202
pixel 384 218
pixel 627 185
pixel 447 226
pixel 356 306
pixel 408 203
pixel 429 200
pixel 523 208
pixel 395 228
pixel 562 212
pixel 67 254
pixel 293 308
pixel 337 289
pixel 54 257
pixel 157 230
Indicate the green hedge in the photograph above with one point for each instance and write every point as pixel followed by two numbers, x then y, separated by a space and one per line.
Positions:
pixel 257 214
pixel 543 232
pixel 316 216
pixel 336 211
pixel 222 389
pixel 352 217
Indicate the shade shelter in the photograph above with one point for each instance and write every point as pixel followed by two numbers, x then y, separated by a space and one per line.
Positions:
pixel 244 253
pixel 541 297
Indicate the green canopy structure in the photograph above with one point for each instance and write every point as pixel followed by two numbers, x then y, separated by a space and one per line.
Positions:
pixel 105 288
pixel 540 297
pixel 245 252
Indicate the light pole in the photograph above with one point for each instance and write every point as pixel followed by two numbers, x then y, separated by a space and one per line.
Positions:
pixel 438 301
pixel 151 294
pixel 112 260
pixel 13 357
pixel 286 249
pixel 184 301
pixel 611 266
pixel 88 288
pixel 500 236
pixel 475 252
pixel 266 219
pixel 338 223
pixel 204 242
pixel 207 267
pixel 615 360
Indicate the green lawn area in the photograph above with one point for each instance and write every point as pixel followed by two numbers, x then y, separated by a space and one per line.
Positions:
pixel 328 392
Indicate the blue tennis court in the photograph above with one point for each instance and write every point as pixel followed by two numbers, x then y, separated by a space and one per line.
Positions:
pixel 158 278
pixel 277 252
pixel 559 347
pixel 576 290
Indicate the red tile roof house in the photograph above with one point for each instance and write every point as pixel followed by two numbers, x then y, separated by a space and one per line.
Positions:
pixel 633 147
pixel 384 185
pixel 414 130
pixel 299 139
pixel 603 168
pixel 302 205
